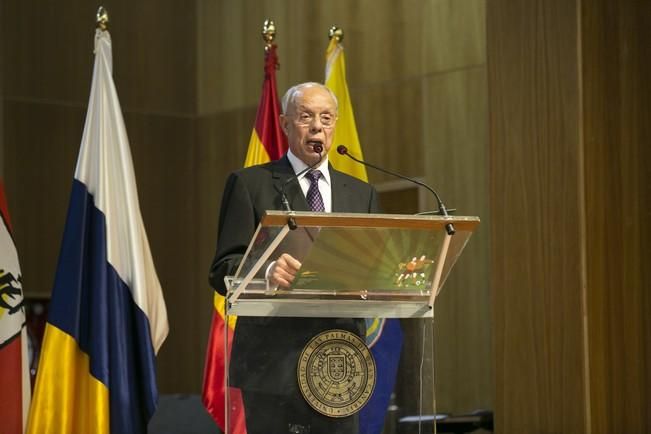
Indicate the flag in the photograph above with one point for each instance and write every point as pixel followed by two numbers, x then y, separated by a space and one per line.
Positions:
pixel 107 317
pixel 346 131
pixel 268 142
pixel 383 336
pixel 15 390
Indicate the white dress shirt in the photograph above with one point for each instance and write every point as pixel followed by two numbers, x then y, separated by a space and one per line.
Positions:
pixel 325 186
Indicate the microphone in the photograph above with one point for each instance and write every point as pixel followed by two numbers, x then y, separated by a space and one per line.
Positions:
pixel 449 228
pixel 318 148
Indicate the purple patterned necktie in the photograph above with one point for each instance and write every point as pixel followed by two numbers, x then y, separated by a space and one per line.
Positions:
pixel 314 199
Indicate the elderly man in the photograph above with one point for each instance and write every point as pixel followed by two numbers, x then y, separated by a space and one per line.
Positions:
pixel 266 350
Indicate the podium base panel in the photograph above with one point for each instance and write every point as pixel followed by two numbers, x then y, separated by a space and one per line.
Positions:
pixel 327 375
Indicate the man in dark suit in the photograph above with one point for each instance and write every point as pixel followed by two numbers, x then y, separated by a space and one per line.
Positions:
pixel 266 350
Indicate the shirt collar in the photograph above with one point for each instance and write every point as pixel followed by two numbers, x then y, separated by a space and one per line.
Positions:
pixel 299 165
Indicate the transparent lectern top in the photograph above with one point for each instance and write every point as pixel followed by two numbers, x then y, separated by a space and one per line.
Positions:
pixel 364 259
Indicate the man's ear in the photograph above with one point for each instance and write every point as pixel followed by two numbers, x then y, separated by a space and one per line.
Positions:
pixel 283 123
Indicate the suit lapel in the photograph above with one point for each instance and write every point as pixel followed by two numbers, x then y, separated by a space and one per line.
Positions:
pixel 282 171
pixel 339 191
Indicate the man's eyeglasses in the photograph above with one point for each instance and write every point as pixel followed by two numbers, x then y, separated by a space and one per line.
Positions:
pixel 306 118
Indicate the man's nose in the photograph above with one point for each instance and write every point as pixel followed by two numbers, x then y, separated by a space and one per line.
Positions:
pixel 316 124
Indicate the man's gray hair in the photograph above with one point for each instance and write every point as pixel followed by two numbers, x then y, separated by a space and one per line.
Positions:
pixel 294 91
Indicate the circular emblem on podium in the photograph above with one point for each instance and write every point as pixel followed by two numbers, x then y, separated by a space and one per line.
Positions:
pixel 336 373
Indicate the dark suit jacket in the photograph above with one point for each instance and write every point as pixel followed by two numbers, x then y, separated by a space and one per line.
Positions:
pixel 265 350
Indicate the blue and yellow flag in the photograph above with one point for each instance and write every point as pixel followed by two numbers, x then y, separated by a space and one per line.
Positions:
pixel 107 317
pixel 383 336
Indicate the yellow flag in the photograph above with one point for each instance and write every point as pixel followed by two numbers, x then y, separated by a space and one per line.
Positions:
pixel 346 131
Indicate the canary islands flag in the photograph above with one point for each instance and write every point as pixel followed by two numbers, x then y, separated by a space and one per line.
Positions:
pixel 107 317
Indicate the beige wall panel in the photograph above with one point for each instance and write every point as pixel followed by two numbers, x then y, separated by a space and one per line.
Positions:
pixel 383 42
pixel 154 56
pixel 222 143
pixel 230 55
pixel 454 34
pixel 455 132
pixel 232 52
pixel 382 39
pixel 455 154
pixel 535 182
pixel 389 121
pixel 51 48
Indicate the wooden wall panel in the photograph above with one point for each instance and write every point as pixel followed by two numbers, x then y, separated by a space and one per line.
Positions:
pixel 616 68
pixel 40 157
pixel 51 52
pixel 570 157
pixel 535 191
pixel 389 139
pixel 453 35
pixel 456 154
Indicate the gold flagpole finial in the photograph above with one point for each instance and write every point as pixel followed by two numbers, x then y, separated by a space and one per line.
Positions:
pixel 268 33
pixel 337 33
pixel 102 18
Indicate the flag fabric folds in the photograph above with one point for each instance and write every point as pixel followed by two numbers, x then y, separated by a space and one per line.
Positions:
pixel 346 131
pixel 107 317
pixel 383 336
pixel 15 390
pixel 268 142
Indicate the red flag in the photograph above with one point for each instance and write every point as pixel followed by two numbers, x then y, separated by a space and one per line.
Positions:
pixel 268 142
pixel 14 372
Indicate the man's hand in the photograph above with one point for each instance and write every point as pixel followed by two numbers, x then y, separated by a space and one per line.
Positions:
pixel 282 272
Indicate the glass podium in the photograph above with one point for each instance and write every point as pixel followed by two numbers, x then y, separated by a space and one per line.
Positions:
pixel 351 339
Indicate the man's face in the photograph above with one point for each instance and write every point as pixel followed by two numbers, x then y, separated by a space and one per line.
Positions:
pixel 310 120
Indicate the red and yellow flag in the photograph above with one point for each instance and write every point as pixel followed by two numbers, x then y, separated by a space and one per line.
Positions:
pixel 268 142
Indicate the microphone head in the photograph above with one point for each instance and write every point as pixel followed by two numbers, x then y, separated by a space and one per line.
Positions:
pixel 342 149
pixel 318 148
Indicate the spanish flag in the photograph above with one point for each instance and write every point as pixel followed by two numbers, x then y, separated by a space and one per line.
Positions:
pixel 107 317
pixel 268 142
pixel 346 131
pixel 15 388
